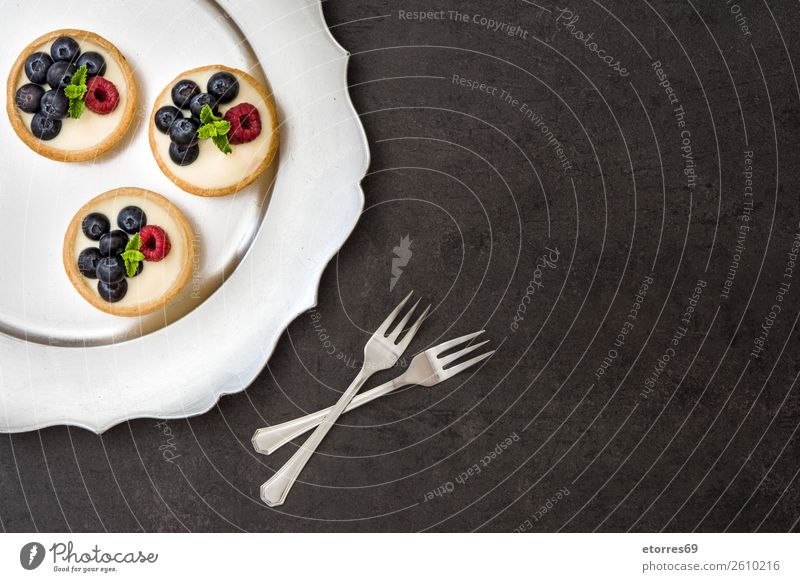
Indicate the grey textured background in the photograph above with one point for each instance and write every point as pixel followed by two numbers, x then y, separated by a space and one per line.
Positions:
pixel 473 183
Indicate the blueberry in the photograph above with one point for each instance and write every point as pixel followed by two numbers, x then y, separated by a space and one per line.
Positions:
pixel 113 243
pixel 166 116
pixel 87 262
pixel 65 49
pixel 223 87
pixel 183 91
pixel 28 97
pixel 95 225
pixel 199 101
pixel 111 269
pixel 45 128
pixel 54 104
pixel 184 131
pixel 36 67
pixel 183 155
pixel 95 64
pixel 131 219
pixel 113 292
pixel 60 74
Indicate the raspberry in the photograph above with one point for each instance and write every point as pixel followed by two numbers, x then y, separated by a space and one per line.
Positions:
pixel 155 243
pixel 245 123
pixel 101 95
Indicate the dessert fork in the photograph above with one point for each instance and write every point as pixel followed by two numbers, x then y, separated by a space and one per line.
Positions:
pixel 426 369
pixel 383 349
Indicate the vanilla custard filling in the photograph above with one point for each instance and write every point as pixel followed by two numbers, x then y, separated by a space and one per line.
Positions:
pixel 92 128
pixel 156 278
pixel 213 169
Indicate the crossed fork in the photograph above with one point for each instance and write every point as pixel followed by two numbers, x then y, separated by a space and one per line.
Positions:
pixel 382 351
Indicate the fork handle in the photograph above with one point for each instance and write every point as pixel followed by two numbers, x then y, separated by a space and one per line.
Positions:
pixel 269 439
pixel 274 491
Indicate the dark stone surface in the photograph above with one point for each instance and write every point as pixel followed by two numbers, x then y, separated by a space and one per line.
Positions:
pixel 470 178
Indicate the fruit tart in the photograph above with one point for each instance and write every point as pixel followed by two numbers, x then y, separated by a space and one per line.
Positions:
pixel 71 96
pixel 129 251
pixel 214 130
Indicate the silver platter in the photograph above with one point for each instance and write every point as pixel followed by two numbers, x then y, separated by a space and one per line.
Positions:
pixel 262 250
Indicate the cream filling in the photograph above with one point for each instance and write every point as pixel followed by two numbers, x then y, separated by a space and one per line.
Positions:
pixel 91 129
pixel 214 170
pixel 157 277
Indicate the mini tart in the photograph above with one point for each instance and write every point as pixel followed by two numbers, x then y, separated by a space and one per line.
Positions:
pixel 159 282
pixel 112 127
pixel 214 173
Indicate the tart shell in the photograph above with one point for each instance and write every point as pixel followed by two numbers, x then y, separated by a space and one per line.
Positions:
pixel 41 147
pixel 83 285
pixel 269 103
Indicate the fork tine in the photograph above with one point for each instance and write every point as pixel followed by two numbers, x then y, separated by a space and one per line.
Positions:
pixel 435 351
pixel 413 330
pixel 402 325
pixel 392 316
pixel 453 357
pixel 450 372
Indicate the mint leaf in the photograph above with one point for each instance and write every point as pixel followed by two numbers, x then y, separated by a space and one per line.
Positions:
pixel 80 76
pixel 221 141
pixel 76 92
pixel 207 115
pixel 135 243
pixel 132 255
pixel 214 128
pixel 206 132
pixel 76 108
pixel 223 127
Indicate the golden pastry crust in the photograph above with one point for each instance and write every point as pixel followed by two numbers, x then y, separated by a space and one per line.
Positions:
pixel 41 147
pixel 195 189
pixel 82 284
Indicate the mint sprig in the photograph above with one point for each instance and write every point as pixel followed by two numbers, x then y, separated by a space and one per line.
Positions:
pixel 132 255
pixel 214 128
pixel 76 92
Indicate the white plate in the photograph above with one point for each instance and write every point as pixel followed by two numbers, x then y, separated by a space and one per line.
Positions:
pixel 62 361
